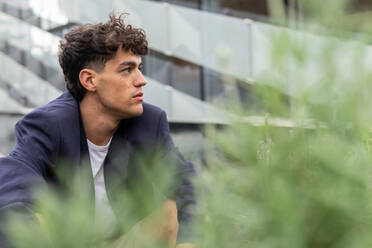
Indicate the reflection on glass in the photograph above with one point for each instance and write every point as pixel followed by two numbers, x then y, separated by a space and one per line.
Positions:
pixel 158 67
pixel 240 7
pixel 214 86
pixel 254 9
pixel 186 77
pixel 187 3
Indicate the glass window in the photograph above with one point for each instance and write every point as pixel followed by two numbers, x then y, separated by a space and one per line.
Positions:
pixel 214 85
pixel 239 7
pixel 186 77
pixel 157 66
pixel 187 3
pixel 181 75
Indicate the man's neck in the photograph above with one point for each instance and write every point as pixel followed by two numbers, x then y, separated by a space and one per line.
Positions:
pixel 99 126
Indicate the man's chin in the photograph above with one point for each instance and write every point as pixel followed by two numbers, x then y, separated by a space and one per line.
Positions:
pixel 140 109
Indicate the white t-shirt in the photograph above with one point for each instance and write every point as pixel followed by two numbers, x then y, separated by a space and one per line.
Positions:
pixel 104 213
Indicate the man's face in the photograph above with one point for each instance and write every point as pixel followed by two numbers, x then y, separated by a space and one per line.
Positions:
pixel 119 85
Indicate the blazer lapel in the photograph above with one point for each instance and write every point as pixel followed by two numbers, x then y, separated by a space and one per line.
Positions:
pixel 85 166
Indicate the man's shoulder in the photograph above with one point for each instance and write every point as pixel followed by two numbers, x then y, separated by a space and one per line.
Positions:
pixel 149 109
pixel 63 103
pixel 63 107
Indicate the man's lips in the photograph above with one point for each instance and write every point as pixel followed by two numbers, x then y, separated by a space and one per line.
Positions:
pixel 139 96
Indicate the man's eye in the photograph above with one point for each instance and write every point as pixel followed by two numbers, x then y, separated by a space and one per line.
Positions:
pixel 127 69
pixel 140 68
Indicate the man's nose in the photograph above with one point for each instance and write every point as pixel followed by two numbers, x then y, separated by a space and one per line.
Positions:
pixel 141 80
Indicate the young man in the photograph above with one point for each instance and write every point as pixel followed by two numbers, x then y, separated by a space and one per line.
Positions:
pixel 101 118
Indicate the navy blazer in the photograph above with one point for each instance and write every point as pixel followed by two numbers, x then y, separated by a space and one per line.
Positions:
pixel 55 131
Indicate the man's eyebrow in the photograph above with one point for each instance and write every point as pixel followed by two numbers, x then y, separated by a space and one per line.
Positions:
pixel 129 63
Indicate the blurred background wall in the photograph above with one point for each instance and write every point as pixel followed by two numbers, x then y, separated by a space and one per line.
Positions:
pixel 202 53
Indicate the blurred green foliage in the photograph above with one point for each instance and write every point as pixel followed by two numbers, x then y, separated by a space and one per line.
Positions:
pixel 306 186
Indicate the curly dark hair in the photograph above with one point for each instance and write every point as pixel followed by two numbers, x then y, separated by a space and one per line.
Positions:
pixel 92 45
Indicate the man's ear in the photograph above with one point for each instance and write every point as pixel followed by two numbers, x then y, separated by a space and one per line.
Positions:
pixel 87 79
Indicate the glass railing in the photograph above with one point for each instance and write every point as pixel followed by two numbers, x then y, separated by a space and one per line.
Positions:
pixel 38 43
pixel 231 46
pixel 9 106
pixel 182 108
pixel 219 42
pixel 37 91
pixel 44 47
pixel 235 47
pixel 43 14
